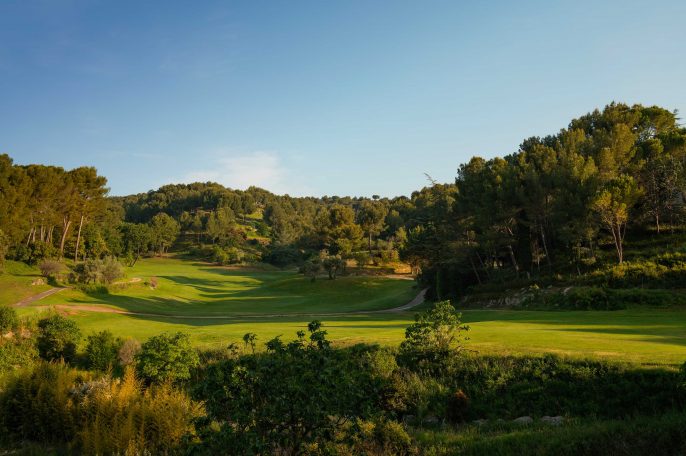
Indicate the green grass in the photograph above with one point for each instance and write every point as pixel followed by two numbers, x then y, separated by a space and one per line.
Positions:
pixel 189 289
pixel 634 336
pixel 15 282
pixel 192 288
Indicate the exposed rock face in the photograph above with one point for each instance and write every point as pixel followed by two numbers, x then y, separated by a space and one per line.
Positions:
pixel 553 420
pixel 523 420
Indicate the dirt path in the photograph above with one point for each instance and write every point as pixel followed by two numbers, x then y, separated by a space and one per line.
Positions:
pixel 69 309
pixel 26 301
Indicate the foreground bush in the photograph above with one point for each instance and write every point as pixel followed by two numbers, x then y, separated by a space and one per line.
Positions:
pixel 17 352
pixel 102 351
pixel 57 338
pixel 57 405
pixel 166 358
pixel 295 397
pixel 9 320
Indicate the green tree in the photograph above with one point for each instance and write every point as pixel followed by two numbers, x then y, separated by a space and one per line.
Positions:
pixel 167 357
pixel 57 338
pixel 136 237
pixel 102 350
pixel 371 216
pixel 613 205
pixel 163 231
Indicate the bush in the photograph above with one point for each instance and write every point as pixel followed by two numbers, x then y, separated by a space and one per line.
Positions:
pixel 104 271
pixel 101 350
pixel 35 404
pixel 50 269
pixel 458 406
pixel 283 401
pixel 389 256
pixel 124 418
pixel 128 351
pixel 9 320
pixel 17 352
pixel 167 357
pixel 361 259
pixel 377 437
pixel 433 340
pixel 57 338
pixel 53 404
pixel 508 387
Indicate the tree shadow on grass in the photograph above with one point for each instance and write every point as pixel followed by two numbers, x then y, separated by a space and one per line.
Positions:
pixel 644 334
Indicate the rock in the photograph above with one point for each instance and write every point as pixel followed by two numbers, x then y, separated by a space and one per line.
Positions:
pixel 523 420
pixel 408 419
pixel 431 420
pixel 38 281
pixel 480 422
pixel 553 420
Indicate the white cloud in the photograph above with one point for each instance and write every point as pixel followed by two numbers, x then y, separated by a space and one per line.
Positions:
pixel 260 169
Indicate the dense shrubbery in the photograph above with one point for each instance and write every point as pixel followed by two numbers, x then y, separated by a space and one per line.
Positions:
pixel 663 271
pixel 55 404
pixel 296 395
pixel 306 397
pixel 8 319
pixel 102 350
pixel 596 298
pixel 507 387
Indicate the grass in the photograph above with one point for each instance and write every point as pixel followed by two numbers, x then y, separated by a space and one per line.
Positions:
pixel 189 289
pixel 15 282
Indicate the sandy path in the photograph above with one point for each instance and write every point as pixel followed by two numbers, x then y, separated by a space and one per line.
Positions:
pixel 102 309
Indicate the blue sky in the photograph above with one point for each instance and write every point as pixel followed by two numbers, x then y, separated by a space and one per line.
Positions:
pixel 320 97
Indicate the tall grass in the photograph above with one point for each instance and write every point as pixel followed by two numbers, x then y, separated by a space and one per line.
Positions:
pixel 57 405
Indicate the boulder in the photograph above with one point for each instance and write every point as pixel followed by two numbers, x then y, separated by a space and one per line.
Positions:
pixel 553 420
pixel 480 422
pixel 523 420
pixel 431 420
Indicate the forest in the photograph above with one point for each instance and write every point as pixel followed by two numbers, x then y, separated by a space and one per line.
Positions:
pixel 586 223
pixel 553 208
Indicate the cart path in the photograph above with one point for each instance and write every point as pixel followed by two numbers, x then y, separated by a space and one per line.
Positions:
pixel 31 299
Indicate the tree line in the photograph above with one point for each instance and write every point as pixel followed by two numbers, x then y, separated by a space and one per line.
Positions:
pixel 553 206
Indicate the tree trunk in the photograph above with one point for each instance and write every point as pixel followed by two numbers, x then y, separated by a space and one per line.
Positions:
pixel 476 273
pixel 78 240
pixel 657 223
pixel 513 259
pixel 65 229
pixel 545 249
pixel 483 266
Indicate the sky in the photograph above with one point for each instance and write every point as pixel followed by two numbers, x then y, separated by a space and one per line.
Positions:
pixel 318 97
